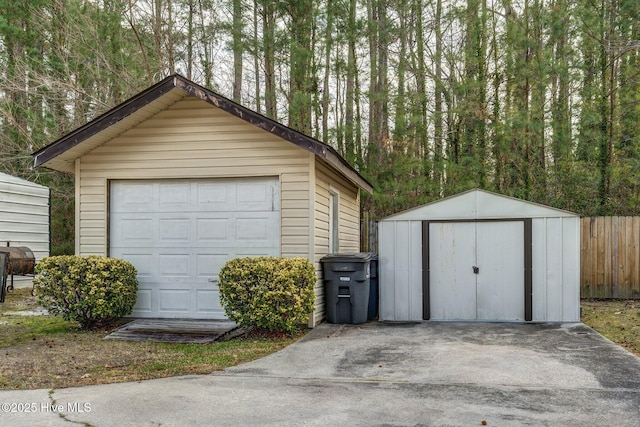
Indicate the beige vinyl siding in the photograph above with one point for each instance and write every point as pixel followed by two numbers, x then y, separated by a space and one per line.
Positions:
pixel 295 231
pixel 115 129
pixel 192 139
pixel 348 222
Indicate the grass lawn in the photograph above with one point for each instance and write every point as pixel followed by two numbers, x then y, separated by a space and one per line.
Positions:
pixel 618 320
pixel 48 352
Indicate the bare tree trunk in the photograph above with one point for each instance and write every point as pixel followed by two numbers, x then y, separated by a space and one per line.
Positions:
pixel 438 164
pixel 205 53
pixel 237 28
pixel 351 75
pixel 328 40
pixel 382 115
pixel 497 131
pixel 170 36
pixel 372 29
pixel 256 60
pixel 379 58
pixel 269 35
pixel 300 54
pixel 400 129
pixel 190 36
pixel 421 95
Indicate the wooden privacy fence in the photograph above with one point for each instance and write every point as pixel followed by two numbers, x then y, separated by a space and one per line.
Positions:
pixel 610 257
pixel 368 235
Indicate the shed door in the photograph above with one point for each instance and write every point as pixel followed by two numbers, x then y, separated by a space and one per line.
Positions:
pixel 179 233
pixel 496 291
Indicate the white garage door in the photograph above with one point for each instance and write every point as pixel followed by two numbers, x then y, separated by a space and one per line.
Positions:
pixel 179 233
pixel 476 270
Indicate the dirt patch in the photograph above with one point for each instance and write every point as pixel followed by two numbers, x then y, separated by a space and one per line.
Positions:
pixel 18 300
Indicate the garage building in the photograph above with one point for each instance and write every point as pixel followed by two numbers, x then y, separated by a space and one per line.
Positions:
pixel 179 179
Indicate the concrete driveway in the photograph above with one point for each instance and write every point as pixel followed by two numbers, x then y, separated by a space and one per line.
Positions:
pixel 440 374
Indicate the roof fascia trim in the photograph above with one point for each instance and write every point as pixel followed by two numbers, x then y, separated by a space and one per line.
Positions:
pixel 301 140
pixel 102 122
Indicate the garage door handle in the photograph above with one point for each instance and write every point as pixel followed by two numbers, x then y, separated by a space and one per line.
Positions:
pixel 214 280
pixel 476 270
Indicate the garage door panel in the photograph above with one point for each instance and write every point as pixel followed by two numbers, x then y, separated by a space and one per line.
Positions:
pixel 212 229
pixel 143 302
pixel 174 301
pixel 133 198
pixel 174 265
pixel 252 228
pixel 208 265
pixel 255 196
pixel 174 229
pixel 207 302
pixel 135 230
pixel 211 195
pixel 258 228
pixel 143 262
pixel 172 196
pixel 184 236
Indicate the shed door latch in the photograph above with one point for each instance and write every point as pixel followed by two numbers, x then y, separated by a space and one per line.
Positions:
pixel 476 270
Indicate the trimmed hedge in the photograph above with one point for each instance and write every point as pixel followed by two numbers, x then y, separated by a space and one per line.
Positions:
pixel 90 290
pixel 275 294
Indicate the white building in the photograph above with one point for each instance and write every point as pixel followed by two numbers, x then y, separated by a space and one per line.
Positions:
pixel 480 256
pixel 24 215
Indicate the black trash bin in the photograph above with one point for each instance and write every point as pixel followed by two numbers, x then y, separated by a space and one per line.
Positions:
pixel 346 284
pixel 373 287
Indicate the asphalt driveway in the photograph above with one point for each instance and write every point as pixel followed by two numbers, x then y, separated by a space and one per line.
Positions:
pixel 440 374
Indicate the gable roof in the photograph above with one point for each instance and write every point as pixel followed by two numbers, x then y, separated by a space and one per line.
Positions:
pixel 61 154
pixel 478 204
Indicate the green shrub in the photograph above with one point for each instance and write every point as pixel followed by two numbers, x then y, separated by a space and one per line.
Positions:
pixel 276 294
pixel 90 290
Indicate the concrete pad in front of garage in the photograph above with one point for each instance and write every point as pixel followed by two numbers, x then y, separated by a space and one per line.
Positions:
pixel 384 374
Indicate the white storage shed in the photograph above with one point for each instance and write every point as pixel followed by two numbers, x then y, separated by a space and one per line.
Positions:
pixel 24 215
pixel 480 256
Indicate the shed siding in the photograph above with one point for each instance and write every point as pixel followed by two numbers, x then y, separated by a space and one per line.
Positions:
pixel 400 263
pixel 571 269
pixel 24 215
pixel 192 139
pixel 540 257
pixel 349 223
pixel 555 276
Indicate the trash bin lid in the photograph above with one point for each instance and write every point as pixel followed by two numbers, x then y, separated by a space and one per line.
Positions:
pixel 348 257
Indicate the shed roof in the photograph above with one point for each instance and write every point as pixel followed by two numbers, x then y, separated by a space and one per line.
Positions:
pixel 478 204
pixel 62 153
